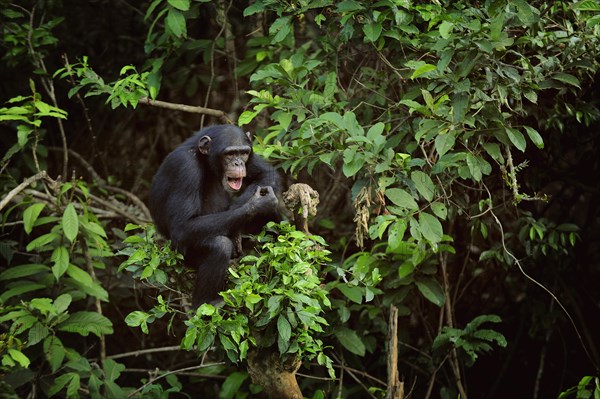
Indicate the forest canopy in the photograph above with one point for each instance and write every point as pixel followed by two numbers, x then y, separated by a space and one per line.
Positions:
pixel 446 244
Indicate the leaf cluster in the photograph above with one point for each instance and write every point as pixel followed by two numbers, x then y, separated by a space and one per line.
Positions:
pixel 274 298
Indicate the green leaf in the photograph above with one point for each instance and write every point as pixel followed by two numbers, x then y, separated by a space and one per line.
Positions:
pixel 473 165
pixel 445 28
pixel 54 351
pixel 84 323
pixel 61 304
pixel 439 210
pixel 70 222
pixel 73 387
pixel 525 12
pixel 396 234
pixel 431 290
pixel 460 106
pixel 535 137
pixel 430 227
pixel 59 383
pixel 113 369
pixel 353 293
pixel 444 143
pixel 176 23
pixel 424 184
pixel 349 6
pixel 19 357
pixel 182 5
pixel 587 5
pixel 20 289
pixel 30 215
pixel 41 241
pixel 372 31
pixel 350 340
pixel 22 271
pixel 281 28
pixel 401 198
pixel 79 275
pixel 493 150
pixel 375 131
pixel 567 78
pixel 421 70
pixel 285 333
pixel 232 385
pixel 60 257
pixel 136 318
pixel 353 161
pixel 516 138
pixel 37 333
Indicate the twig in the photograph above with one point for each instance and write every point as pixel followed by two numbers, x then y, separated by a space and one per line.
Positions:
pixel 38 176
pixel 153 380
pixel 197 375
pixel 212 62
pixel 116 209
pixel 543 287
pixel 90 268
pixel 134 198
pixel 352 374
pixel 38 62
pixel 454 364
pixel 188 108
pixel 103 183
pixel 145 351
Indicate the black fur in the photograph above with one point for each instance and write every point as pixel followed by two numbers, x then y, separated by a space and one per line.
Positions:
pixel 191 207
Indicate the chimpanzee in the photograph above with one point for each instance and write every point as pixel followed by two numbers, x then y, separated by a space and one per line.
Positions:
pixel 207 192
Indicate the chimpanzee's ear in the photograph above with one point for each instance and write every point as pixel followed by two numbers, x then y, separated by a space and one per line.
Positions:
pixel 249 136
pixel 204 144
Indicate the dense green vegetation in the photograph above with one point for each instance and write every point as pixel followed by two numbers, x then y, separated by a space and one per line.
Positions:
pixel 454 145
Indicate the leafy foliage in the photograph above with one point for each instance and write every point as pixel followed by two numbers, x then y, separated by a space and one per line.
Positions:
pixel 471 340
pixel 458 140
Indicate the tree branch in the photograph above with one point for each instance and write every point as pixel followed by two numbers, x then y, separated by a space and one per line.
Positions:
pixel 30 180
pixel 188 108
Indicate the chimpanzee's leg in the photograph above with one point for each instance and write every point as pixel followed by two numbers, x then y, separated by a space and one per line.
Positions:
pixel 213 259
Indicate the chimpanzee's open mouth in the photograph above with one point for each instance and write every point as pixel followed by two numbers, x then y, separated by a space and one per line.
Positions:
pixel 235 182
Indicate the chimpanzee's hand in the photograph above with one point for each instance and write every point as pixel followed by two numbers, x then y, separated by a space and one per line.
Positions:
pixel 263 201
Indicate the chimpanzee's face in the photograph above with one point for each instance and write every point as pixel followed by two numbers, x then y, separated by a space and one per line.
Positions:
pixel 234 160
pixel 227 154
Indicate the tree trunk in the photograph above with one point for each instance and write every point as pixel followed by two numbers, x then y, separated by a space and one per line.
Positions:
pixel 275 376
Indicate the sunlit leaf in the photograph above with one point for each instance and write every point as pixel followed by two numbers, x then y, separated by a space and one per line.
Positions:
pixel 535 137
pixel 516 138
pixel 70 222
pixel 401 198
pixel 30 215
pixel 424 184
pixel 430 227
pixel 182 5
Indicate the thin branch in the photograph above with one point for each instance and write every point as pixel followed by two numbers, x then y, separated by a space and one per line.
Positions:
pixel 117 210
pixel 212 61
pixel 543 287
pixel 97 302
pixel 38 62
pixel 30 180
pixel 145 351
pixel 454 363
pixel 153 380
pixel 188 108
pixel 104 184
